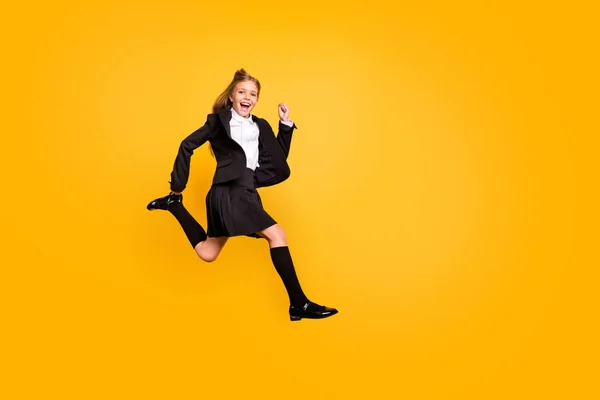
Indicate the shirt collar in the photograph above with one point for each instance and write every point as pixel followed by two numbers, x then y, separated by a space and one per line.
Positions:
pixel 239 118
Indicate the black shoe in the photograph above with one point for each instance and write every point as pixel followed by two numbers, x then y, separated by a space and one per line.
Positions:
pixel 311 310
pixel 163 203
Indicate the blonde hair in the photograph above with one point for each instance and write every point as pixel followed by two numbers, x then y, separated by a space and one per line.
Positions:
pixel 240 76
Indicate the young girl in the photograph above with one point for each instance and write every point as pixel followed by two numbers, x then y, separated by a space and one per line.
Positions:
pixel 248 156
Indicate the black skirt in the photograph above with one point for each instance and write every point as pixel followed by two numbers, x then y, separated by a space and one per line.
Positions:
pixel 234 208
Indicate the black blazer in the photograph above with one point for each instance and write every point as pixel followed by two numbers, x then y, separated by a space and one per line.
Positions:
pixel 231 159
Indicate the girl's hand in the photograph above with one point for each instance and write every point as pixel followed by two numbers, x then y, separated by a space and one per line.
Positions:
pixel 284 111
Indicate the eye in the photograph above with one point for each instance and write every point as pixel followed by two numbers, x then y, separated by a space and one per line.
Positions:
pixel 254 94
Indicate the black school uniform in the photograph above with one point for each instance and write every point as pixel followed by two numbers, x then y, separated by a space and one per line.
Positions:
pixel 233 205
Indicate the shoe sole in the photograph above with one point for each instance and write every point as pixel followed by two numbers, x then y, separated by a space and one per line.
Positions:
pixel 294 318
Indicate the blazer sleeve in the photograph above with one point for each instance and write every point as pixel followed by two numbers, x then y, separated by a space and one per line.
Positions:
pixel 284 137
pixel 181 166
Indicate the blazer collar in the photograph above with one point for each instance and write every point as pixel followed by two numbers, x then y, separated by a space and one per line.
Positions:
pixel 225 116
pixel 239 118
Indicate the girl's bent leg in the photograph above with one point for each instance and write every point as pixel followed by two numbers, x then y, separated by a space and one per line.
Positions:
pixel 209 249
pixel 193 230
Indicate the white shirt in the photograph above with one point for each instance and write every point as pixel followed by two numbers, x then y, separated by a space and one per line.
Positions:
pixel 245 132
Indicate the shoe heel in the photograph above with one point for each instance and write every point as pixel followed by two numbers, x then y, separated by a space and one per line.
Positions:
pixel 295 318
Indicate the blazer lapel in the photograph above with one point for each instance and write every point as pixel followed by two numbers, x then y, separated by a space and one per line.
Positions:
pixel 225 117
pixel 262 129
pixel 268 142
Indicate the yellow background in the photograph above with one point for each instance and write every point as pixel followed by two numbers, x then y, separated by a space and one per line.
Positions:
pixel 430 201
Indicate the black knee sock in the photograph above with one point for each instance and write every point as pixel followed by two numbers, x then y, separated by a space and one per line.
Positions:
pixel 282 260
pixel 193 230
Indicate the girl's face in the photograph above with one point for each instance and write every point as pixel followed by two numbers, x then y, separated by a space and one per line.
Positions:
pixel 244 98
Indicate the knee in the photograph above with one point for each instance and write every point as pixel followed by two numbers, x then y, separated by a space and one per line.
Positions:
pixel 208 256
pixel 278 236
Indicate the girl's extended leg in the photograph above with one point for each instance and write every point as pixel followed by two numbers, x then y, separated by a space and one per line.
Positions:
pixel 300 306
pixel 282 260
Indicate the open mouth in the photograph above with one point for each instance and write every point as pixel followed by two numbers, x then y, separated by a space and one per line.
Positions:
pixel 245 106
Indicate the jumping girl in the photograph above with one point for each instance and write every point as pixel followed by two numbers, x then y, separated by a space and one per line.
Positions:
pixel 249 156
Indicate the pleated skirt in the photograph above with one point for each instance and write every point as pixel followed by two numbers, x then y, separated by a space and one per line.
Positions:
pixel 235 208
